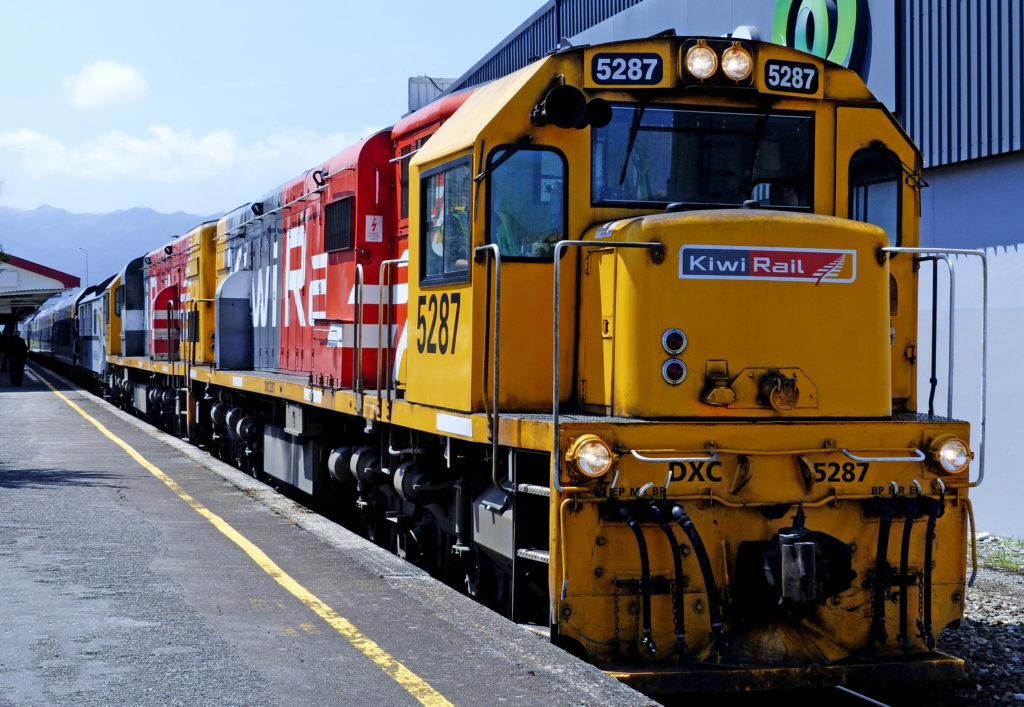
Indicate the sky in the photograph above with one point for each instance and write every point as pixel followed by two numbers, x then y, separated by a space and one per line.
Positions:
pixel 201 106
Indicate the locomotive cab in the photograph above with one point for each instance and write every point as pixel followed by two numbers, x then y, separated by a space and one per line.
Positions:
pixel 502 177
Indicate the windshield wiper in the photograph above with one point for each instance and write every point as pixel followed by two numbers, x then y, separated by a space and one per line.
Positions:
pixel 762 124
pixel 516 147
pixel 638 115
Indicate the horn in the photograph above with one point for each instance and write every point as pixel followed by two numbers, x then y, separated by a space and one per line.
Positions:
pixel 598 114
pixel 564 106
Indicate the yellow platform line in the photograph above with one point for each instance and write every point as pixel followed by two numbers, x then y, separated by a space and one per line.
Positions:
pixel 412 683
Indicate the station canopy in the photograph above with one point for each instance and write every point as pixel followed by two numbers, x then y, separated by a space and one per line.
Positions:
pixel 25 285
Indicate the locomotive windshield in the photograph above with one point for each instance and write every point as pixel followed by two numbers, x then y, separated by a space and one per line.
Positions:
pixel 656 155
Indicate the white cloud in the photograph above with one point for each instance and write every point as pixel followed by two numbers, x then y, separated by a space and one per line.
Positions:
pixel 166 155
pixel 105 83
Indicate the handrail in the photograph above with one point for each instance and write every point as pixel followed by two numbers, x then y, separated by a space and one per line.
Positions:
pixel 357 367
pixel 935 260
pixel 984 336
pixel 559 247
pixel 195 306
pixel 385 265
pixel 916 456
pixel 711 456
pixel 495 252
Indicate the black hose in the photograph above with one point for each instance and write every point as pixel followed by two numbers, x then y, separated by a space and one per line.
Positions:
pixel 714 604
pixel 878 632
pixel 910 512
pixel 678 598
pixel 646 642
pixel 929 539
pixel 934 508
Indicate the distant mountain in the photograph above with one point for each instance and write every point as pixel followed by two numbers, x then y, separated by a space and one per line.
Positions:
pixel 53 237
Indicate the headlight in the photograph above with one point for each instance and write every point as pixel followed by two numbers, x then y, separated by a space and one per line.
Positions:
pixel 737 62
pixel 951 454
pixel 591 456
pixel 701 60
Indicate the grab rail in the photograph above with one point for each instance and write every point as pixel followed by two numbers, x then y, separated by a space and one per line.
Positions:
pixel 984 336
pixel 495 252
pixel 388 267
pixel 933 381
pixel 357 379
pixel 555 402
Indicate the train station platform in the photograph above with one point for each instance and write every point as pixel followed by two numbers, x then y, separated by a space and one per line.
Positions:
pixel 135 569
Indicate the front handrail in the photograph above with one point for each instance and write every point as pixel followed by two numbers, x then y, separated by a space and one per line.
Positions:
pixel 495 253
pixel 984 336
pixel 933 381
pixel 386 266
pixel 357 380
pixel 555 402
pixel 916 456
pixel 711 456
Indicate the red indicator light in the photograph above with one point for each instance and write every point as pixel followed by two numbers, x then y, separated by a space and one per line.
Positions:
pixel 674 371
pixel 673 341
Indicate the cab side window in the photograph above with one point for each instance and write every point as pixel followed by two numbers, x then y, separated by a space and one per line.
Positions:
pixel 527 198
pixel 875 174
pixel 444 244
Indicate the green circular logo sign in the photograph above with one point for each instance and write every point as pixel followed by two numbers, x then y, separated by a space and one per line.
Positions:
pixel 836 30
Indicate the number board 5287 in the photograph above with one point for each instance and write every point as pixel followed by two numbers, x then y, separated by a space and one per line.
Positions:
pixel 792 77
pixel 614 69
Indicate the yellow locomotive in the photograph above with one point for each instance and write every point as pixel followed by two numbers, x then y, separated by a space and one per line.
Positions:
pixel 645 376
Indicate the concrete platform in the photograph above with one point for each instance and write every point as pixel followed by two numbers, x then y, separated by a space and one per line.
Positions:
pixel 121 586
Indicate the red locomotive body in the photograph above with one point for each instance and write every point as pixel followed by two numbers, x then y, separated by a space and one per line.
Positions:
pixel 165 275
pixel 341 223
pixel 334 222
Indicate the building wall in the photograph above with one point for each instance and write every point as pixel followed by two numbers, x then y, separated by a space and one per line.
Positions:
pixel 962 77
pixel 540 34
pixel 973 204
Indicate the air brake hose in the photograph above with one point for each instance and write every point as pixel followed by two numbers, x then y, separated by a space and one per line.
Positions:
pixel 909 514
pixel 714 605
pixel 678 599
pixel 646 642
pixel 878 632
pixel 934 508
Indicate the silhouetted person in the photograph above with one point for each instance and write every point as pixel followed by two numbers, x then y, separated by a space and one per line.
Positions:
pixel 16 351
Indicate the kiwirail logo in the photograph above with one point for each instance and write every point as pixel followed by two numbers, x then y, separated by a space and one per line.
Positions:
pixel 705 262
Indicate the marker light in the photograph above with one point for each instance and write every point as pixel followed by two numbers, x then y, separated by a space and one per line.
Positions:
pixel 701 61
pixel 951 453
pixel 737 62
pixel 591 456
pixel 674 371
pixel 673 341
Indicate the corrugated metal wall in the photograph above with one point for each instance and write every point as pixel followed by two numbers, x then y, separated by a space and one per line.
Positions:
pixel 539 35
pixel 962 77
